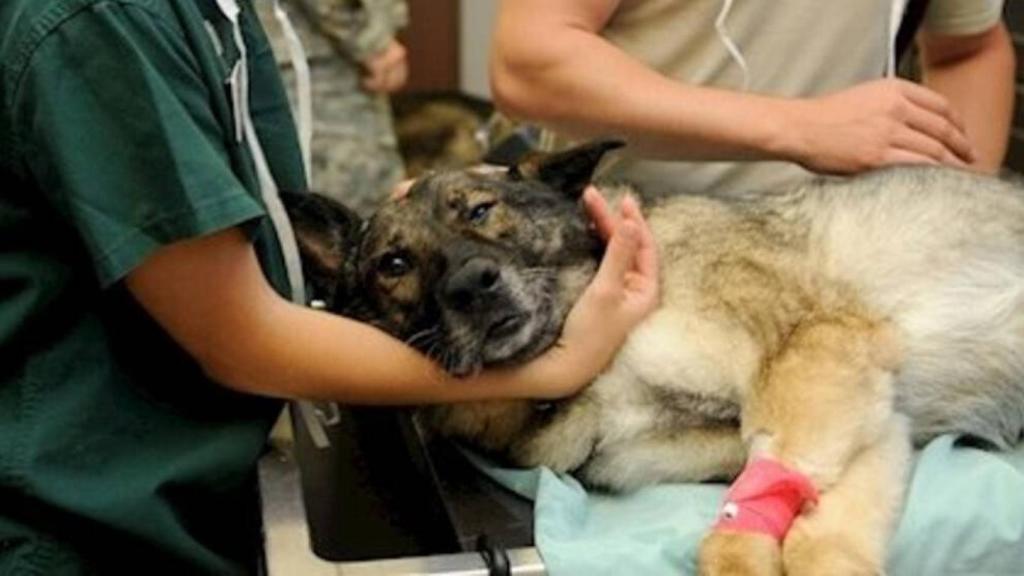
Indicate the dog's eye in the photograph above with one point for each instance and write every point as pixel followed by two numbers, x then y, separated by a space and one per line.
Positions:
pixel 478 214
pixel 394 264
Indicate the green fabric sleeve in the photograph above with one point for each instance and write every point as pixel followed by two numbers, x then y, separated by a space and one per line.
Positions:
pixel 115 123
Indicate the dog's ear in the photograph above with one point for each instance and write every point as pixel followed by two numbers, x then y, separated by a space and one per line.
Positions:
pixel 569 170
pixel 328 235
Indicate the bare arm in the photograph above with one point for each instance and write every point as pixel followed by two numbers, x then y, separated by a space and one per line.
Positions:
pixel 975 73
pixel 550 65
pixel 210 295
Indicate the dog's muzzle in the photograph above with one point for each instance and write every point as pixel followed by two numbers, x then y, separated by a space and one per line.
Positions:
pixel 487 314
pixel 472 287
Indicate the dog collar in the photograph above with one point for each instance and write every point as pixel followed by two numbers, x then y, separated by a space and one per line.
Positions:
pixel 765 499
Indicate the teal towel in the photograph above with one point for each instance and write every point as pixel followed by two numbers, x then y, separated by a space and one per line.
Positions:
pixel 964 515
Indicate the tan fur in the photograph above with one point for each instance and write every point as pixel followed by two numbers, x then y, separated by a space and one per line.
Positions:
pixel 846 533
pixel 435 135
pixel 822 396
pixel 726 553
pixel 489 423
pixel 826 399
pixel 825 327
pixel 812 352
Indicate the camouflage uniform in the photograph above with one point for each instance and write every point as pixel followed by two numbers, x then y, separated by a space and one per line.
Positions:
pixel 355 156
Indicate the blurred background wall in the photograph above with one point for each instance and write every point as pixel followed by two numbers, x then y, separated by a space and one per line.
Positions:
pixel 449 41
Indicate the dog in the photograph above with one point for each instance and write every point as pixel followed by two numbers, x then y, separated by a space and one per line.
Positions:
pixel 446 130
pixel 828 327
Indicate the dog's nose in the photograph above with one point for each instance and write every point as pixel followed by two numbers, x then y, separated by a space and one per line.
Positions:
pixel 473 281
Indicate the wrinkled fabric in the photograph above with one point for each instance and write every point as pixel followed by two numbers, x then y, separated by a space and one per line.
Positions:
pixel 118 454
pixel 790 49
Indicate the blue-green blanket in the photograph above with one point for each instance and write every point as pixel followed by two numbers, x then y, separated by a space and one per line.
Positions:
pixel 964 516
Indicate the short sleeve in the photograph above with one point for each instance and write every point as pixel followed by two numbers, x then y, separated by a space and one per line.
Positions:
pixel 115 125
pixel 962 17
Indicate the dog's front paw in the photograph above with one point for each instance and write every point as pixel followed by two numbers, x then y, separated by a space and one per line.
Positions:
pixel 739 554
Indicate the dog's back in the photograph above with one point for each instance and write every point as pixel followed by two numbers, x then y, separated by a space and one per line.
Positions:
pixel 941 254
pixel 938 253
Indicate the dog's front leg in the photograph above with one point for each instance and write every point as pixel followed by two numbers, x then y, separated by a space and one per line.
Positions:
pixel 821 402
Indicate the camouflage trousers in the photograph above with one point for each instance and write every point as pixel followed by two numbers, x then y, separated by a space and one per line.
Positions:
pixel 355 156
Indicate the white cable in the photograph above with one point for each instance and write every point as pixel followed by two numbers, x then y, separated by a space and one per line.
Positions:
pixel 272 201
pixel 269 191
pixel 303 89
pixel 268 187
pixel 895 17
pixel 730 46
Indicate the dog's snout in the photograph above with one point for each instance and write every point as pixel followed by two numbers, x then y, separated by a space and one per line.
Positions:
pixel 471 282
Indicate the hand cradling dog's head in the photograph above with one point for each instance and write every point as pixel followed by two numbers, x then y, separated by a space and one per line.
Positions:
pixel 472 267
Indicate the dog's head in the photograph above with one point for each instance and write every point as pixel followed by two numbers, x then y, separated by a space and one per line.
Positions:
pixel 477 267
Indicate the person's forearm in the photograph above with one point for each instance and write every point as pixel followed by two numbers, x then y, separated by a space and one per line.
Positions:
pixel 579 84
pixel 293 352
pixel 979 84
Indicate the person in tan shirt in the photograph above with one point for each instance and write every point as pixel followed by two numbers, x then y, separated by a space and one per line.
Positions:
pixel 700 87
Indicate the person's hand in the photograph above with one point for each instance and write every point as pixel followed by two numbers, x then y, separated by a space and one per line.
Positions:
pixel 623 292
pixel 879 123
pixel 401 190
pixel 387 70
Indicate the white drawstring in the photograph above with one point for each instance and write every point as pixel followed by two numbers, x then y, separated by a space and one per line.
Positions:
pixel 239 81
pixel 730 46
pixel 229 8
pixel 303 89
pixel 895 17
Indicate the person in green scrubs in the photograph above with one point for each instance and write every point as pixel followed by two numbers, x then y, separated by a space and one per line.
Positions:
pixel 145 326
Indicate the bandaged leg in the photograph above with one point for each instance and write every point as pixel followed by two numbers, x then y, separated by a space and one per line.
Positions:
pixel 823 400
pixel 765 499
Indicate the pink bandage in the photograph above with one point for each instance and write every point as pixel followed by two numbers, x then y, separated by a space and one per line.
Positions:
pixel 765 499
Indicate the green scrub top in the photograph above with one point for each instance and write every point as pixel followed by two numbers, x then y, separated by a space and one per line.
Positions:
pixel 117 454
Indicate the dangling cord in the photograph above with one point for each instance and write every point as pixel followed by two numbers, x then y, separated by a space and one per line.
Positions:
pixel 268 187
pixel 897 10
pixel 303 89
pixel 730 46
pixel 239 82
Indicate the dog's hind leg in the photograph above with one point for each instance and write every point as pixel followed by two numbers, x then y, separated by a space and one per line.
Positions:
pixel 848 531
pixel 824 400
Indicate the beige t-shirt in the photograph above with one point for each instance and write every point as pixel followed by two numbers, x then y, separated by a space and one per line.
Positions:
pixel 790 48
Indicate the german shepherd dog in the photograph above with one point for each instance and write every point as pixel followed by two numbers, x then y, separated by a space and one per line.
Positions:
pixel 828 328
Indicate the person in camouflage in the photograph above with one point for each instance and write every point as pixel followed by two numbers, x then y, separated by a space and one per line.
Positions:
pixel 355 62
